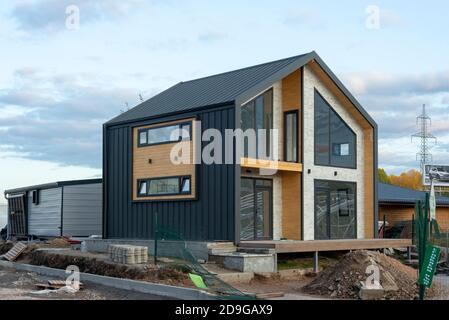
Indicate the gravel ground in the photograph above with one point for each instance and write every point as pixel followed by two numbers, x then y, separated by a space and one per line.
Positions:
pixel 16 285
pixel 443 286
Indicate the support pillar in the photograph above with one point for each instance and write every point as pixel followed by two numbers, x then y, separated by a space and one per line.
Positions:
pixel 315 262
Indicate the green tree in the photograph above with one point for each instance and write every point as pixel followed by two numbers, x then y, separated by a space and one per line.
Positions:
pixel 383 176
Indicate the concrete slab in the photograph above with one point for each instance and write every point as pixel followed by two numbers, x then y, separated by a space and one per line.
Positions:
pixel 245 262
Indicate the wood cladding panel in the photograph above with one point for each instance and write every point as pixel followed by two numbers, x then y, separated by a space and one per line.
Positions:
pixel 161 164
pixel 291 100
pixel 291 181
pixel 269 164
pixel 291 205
pixel 398 213
pixel 368 133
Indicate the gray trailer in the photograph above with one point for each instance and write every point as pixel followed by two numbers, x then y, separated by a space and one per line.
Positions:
pixel 66 208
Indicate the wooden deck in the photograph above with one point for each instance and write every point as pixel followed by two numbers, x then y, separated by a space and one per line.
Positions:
pixel 291 246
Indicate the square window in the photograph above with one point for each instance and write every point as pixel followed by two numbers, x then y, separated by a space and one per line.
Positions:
pixel 344 149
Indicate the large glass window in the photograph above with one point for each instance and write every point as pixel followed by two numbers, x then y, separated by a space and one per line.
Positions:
pixel 335 210
pixel 164 134
pixel 164 186
pixel 256 209
pixel 258 114
pixel 335 142
pixel 291 136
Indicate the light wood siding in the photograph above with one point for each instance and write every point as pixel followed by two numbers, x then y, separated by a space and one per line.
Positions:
pixel 161 164
pixel 398 213
pixel 291 181
pixel 291 100
pixel 368 132
pixel 291 203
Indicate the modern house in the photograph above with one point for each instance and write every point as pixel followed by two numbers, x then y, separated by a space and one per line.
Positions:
pixel 316 180
pixel 397 205
pixel 66 208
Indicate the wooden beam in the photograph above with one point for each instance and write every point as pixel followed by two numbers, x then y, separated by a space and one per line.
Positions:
pixel 270 165
pixel 327 245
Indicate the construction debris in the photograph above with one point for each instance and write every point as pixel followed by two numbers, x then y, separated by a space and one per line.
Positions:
pixel 15 252
pixel 354 277
pixel 56 284
pixel 128 254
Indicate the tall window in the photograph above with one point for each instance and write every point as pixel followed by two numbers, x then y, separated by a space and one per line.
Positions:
pixel 291 136
pixel 258 114
pixel 335 142
pixel 335 210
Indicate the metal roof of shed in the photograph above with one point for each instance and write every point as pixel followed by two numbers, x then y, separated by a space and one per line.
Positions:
pixel 390 194
pixel 53 185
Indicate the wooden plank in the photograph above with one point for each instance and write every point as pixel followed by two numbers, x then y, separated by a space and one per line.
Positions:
pixel 15 251
pixel 269 164
pixel 291 205
pixel 327 245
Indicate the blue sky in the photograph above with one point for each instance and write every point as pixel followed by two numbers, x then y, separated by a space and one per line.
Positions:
pixel 57 86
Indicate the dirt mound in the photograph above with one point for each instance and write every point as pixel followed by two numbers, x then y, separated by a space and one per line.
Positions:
pixel 343 279
pixel 58 243
pixel 91 265
pixel 5 247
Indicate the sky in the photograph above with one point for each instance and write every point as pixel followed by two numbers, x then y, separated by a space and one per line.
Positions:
pixel 60 81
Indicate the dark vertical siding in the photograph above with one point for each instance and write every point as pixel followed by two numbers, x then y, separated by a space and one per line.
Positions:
pixel 210 217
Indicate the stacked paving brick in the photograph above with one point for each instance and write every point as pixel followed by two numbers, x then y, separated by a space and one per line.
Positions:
pixel 128 254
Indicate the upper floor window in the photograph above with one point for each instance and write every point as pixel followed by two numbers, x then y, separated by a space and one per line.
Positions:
pixel 258 114
pixel 164 186
pixel 291 136
pixel 335 142
pixel 165 134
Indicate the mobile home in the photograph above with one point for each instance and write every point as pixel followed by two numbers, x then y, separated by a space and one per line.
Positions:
pixel 66 208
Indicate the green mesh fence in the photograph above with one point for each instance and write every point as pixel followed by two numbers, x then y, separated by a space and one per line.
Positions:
pixel 427 232
pixel 171 249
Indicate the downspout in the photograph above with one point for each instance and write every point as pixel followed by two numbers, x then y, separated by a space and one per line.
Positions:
pixel 237 177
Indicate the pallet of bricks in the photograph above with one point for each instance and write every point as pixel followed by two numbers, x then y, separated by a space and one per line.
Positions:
pixel 127 254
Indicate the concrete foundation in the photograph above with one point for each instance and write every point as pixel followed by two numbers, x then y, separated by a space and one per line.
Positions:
pixel 245 262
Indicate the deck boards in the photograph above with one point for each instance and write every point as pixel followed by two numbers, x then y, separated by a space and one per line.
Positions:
pixel 290 246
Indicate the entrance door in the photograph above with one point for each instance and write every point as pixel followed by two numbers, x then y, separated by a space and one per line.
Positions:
pixel 335 210
pixel 17 222
pixel 256 209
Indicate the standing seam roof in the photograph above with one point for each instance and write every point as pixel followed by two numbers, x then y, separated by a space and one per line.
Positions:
pixel 211 90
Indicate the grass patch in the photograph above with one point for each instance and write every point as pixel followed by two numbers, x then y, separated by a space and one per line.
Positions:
pixel 304 263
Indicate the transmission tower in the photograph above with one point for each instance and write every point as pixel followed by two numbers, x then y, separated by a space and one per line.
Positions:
pixel 424 124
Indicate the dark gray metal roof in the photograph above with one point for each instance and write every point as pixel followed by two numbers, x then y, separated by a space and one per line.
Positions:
pixel 224 88
pixel 389 194
pixel 53 185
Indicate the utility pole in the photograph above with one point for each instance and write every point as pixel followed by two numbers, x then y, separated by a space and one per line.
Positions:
pixel 425 136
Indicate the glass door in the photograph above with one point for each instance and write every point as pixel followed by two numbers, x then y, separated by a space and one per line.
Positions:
pixel 335 210
pixel 256 209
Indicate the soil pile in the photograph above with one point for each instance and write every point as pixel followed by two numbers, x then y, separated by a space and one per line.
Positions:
pixel 150 273
pixel 344 279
